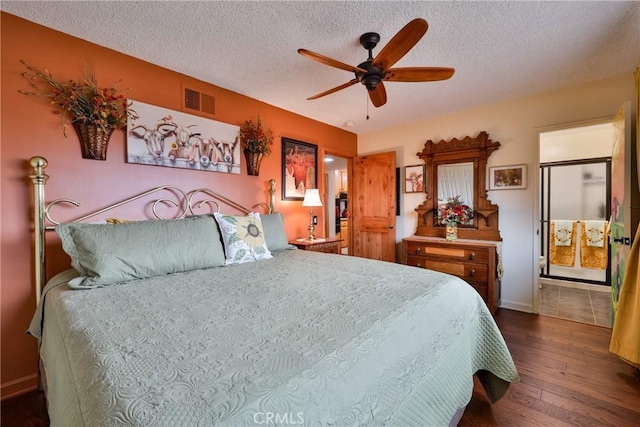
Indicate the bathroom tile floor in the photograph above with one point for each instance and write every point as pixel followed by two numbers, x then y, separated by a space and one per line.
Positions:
pixel 579 305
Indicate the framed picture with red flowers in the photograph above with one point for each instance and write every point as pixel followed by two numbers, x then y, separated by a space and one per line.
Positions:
pixel 299 168
pixel 508 177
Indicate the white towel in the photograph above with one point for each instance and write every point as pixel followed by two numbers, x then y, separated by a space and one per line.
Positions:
pixel 563 232
pixel 594 232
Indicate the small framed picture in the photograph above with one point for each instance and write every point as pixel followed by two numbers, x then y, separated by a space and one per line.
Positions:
pixel 508 177
pixel 414 179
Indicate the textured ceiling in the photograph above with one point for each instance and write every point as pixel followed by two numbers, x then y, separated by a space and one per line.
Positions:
pixel 500 50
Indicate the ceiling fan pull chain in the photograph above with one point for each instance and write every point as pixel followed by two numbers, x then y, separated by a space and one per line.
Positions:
pixel 366 99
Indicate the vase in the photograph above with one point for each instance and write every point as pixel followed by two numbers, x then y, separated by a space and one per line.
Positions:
pixel 452 230
pixel 253 162
pixel 93 140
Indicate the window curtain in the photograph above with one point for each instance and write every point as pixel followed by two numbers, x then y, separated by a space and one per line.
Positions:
pixel 625 337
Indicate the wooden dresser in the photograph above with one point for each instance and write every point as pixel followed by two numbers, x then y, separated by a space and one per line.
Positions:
pixel 474 261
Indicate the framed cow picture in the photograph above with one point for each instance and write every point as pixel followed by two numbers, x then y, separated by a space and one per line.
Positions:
pixel 299 168
pixel 414 179
pixel 159 136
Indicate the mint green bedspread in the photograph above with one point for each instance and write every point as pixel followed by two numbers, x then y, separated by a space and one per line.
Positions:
pixel 300 339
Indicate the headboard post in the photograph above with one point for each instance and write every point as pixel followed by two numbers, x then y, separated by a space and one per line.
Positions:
pixel 39 179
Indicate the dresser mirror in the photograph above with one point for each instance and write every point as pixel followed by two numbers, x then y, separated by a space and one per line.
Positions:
pixel 458 168
pixel 455 181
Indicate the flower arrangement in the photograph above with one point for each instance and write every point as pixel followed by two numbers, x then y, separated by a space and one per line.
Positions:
pixel 455 211
pixel 81 101
pixel 256 138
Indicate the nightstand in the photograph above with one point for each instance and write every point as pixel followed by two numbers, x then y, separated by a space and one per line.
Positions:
pixel 330 246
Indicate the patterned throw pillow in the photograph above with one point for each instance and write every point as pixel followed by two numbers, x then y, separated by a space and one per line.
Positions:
pixel 243 238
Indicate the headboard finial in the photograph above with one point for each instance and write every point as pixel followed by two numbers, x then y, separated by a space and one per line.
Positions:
pixel 272 195
pixel 38 164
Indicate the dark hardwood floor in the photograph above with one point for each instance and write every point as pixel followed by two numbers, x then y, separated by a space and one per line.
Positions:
pixel 568 378
pixel 27 410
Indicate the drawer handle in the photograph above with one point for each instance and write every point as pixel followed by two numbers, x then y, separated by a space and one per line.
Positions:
pixel 472 256
pixel 418 251
pixel 472 272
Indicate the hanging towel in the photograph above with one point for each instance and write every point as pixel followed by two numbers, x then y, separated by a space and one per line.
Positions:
pixel 564 253
pixel 563 232
pixel 593 249
pixel 595 233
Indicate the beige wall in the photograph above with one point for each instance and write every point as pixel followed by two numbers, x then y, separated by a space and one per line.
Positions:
pixel 514 124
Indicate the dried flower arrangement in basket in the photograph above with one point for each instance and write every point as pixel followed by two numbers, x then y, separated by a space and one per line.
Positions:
pixel 93 111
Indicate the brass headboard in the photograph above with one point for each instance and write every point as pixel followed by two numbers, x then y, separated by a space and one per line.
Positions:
pixel 187 203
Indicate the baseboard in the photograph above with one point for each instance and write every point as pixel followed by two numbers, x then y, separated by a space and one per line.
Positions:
pixel 511 305
pixel 20 386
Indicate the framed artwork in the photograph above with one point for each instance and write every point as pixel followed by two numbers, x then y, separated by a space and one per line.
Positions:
pixel 163 137
pixel 508 177
pixel 414 179
pixel 299 168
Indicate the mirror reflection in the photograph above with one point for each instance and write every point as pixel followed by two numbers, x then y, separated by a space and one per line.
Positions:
pixel 455 193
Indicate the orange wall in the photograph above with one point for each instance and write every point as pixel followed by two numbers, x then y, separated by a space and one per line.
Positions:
pixel 29 128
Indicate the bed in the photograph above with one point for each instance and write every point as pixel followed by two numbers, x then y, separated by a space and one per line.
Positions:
pixel 189 336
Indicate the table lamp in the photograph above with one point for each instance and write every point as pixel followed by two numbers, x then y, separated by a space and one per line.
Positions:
pixel 311 199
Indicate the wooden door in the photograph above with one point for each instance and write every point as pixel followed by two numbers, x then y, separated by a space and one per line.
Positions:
pixel 374 207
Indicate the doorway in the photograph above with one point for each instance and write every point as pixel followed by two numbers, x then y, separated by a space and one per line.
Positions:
pixel 574 191
pixel 337 200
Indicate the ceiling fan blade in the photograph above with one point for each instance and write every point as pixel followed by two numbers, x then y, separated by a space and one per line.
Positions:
pixel 400 44
pixel 378 96
pixel 329 61
pixel 419 74
pixel 335 89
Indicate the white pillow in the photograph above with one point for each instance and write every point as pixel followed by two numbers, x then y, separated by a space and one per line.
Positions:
pixel 243 238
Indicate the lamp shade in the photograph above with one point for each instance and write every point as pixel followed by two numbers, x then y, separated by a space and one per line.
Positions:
pixel 312 198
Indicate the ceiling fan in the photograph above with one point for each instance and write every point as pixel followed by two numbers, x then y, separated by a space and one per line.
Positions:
pixel 372 72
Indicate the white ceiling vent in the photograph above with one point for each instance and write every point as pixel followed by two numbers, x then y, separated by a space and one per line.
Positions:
pixel 199 101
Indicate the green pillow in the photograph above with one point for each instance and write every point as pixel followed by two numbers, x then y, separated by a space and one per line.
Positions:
pixel 274 234
pixel 104 254
pixel 243 238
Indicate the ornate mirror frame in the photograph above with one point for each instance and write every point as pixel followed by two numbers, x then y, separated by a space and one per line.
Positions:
pixel 476 150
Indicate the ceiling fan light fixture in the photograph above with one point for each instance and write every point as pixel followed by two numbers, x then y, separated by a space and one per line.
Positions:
pixel 371 82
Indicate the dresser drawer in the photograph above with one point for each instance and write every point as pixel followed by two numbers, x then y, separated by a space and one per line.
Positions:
pixel 467 271
pixel 329 248
pixel 481 288
pixel 474 262
pixel 479 255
